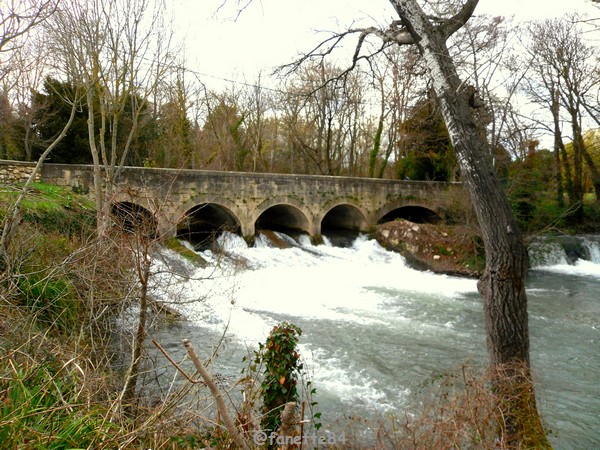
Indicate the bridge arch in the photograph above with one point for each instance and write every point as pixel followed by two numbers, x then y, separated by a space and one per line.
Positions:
pixel 133 217
pixel 283 217
pixel 202 223
pixel 411 212
pixel 343 216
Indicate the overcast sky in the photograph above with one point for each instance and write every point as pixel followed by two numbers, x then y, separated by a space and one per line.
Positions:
pixel 269 33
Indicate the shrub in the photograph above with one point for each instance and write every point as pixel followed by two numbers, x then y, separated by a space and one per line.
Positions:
pixel 281 369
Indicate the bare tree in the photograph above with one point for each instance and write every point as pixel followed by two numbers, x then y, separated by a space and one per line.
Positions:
pixel 486 58
pixel 171 133
pixel 502 285
pixel 258 103
pixel 224 138
pixel 17 19
pixel 386 108
pixel 139 236
pixel 28 70
pixel 503 282
pixel 322 116
pixel 398 76
pixel 22 68
pixel 564 80
pixel 118 51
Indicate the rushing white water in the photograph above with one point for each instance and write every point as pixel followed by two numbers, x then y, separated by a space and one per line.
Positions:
pixel 375 330
pixel 552 257
pixel 544 254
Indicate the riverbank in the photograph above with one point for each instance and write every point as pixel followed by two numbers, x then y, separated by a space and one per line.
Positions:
pixel 458 249
pixel 452 250
pixel 67 323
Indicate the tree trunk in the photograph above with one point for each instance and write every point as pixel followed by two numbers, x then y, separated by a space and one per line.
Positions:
pixel 595 174
pixel 143 272
pixel 580 151
pixel 557 148
pixel 376 147
pixel 502 285
pixel 577 169
pixel 101 226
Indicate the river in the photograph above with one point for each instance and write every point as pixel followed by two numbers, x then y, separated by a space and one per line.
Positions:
pixel 376 331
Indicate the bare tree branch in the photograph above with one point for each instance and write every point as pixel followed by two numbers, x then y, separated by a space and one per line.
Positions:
pixel 216 393
pixel 456 22
pixel 18 17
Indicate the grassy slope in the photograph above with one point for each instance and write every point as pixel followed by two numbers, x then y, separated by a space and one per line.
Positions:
pixel 42 362
pixel 50 208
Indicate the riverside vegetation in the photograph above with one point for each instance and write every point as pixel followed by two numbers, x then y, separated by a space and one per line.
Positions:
pixel 65 319
pixel 73 375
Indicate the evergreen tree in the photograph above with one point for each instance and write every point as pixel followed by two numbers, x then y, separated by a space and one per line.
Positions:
pixel 51 114
pixel 427 150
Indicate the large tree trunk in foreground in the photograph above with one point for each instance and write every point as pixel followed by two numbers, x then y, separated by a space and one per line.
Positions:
pixel 503 282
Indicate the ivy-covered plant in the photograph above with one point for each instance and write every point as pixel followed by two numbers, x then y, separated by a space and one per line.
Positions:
pixel 282 366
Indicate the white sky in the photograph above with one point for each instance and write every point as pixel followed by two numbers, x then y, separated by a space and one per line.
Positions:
pixel 269 33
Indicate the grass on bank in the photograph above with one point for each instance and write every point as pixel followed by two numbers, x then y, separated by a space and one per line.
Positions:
pixel 43 197
pixel 51 208
pixel 61 366
pixel 42 407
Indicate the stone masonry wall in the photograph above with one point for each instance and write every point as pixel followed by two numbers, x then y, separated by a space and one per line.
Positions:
pixel 16 172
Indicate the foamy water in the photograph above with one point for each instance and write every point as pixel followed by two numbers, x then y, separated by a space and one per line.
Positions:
pixel 375 330
pixel 555 259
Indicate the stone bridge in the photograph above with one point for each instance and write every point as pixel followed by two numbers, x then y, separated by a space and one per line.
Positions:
pixel 191 203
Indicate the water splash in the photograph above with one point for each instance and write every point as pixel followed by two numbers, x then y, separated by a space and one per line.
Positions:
pixel 374 329
pixel 552 255
pixel 593 248
pixel 546 253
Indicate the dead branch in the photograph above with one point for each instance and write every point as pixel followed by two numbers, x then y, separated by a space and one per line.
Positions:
pixel 216 393
pixel 174 364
